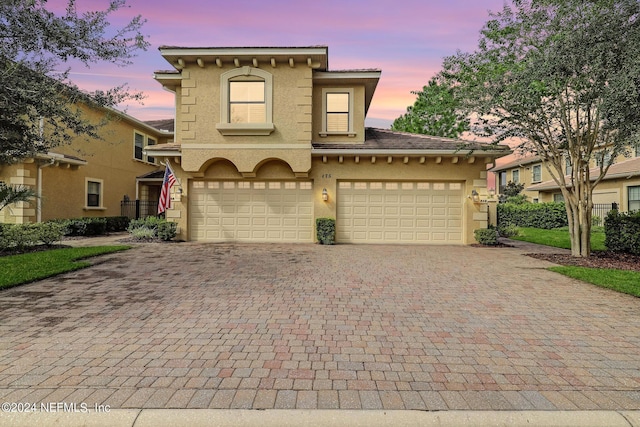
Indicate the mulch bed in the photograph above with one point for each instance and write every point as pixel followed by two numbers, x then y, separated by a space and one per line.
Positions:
pixel 596 260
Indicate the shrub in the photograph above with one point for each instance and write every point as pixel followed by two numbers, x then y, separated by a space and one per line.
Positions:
pixel 486 236
pixel 117 223
pixel 622 232
pixel 95 226
pixel 508 230
pixel 326 230
pixel 49 232
pixel 75 227
pixel 536 215
pixel 167 230
pixel 142 233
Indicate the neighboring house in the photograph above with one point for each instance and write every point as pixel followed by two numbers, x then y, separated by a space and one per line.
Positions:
pixel 621 185
pixel 269 139
pixel 88 177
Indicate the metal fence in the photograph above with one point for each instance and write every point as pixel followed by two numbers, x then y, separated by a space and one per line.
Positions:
pixel 136 209
pixel 600 211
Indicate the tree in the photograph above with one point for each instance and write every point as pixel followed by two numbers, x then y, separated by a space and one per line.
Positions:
pixel 435 112
pixel 563 76
pixel 10 194
pixel 39 107
pixel 510 193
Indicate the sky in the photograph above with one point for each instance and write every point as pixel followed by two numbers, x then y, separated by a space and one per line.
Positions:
pixel 406 39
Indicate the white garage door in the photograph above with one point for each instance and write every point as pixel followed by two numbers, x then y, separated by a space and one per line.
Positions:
pixel 251 211
pixel 399 212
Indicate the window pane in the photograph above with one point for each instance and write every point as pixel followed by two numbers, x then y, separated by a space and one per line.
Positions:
pixel 248 113
pixel 337 103
pixel 93 193
pixel 246 91
pixel 138 143
pixel 634 198
pixel 337 122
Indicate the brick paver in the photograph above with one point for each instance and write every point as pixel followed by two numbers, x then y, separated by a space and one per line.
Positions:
pixel 308 326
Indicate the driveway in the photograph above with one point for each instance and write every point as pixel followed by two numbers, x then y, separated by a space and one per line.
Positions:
pixel 308 326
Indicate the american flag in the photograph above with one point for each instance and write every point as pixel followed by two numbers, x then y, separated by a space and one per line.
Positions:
pixel 165 198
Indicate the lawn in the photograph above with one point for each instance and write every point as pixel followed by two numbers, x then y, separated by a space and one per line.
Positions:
pixel 25 268
pixel 559 237
pixel 624 281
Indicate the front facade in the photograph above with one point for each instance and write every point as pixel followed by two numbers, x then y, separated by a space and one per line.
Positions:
pixel 269 139
pixel 87 178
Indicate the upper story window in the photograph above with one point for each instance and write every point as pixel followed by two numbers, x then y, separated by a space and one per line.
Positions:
pixel 536 173
pixel 246 102
pixel 638 149
pixel 503 179
pixel 515 176
pixel 568 168
pixel 139 142
pixel 337 112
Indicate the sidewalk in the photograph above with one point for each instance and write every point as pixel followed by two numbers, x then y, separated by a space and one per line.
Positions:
pixel 346 418
pixel 105 240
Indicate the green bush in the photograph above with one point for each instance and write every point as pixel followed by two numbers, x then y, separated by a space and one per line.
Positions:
pixel 486 236
pixel 75 227
pixel 143 232
pixel 622 232
pixel 49 232
pixel 117 223
pixel 535 215
pixel 167 230
pixel 21 236
pixel 326 230
pixel 508 230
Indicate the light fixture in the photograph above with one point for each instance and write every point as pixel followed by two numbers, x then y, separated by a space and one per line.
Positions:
pixel 492 193
pixel 475 196
pixel 325 194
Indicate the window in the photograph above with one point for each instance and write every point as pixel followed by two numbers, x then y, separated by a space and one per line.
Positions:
pixel 558 198
pixel 638 150
pixel 634 198
pixel 603 159
pixel 140 140
pixel 503 179
pixel 93 188
pixel 515 175
pixel 246 104
pixel 568 169
pixel 337 108
pixel 536 172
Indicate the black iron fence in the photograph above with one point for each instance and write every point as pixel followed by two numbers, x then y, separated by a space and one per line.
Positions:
pixel 136 209
pixel 600 211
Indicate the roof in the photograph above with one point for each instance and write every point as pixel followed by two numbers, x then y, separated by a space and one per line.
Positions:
pixel 386 141
pixel 164 124
pixel 159 174
pixel 516 163
pixel 627 169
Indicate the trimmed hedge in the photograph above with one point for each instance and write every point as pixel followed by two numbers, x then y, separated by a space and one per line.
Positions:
pixel 486 236
pixel 536 215
pixel 326 230
pixel 21 236
pixel 622 232
pixel 152 227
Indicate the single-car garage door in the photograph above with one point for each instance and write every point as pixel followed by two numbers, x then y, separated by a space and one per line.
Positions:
pixel 399 212
pixel 246 211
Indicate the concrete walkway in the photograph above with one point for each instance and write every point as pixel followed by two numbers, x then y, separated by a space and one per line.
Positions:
pixel 298 327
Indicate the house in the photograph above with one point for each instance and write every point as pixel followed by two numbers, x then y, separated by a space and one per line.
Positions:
pixel 621 185
pixel 267 139
pixel 88 178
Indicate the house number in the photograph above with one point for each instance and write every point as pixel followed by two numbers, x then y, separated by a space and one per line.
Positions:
pixel 326 175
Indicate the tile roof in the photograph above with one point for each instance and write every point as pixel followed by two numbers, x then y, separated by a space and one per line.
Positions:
pixel 518 162
pixel 164 124
pixel 627 169
pixel 382 139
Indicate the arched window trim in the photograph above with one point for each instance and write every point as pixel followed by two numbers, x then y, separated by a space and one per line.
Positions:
pixel 227 128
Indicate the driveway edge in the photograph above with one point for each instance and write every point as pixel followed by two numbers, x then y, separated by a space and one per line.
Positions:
pixel 351 418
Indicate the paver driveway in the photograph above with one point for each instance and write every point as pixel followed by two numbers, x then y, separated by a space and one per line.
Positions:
pixel 308 326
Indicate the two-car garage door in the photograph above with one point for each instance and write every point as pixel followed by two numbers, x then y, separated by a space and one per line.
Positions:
pixel 399 212
pixel 366 212
pixel 251 211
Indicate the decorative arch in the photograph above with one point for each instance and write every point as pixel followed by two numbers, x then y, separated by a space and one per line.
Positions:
pixel 274 168
pixel 220 168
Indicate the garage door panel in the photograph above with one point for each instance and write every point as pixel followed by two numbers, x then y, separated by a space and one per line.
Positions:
pixel 251 211
pixel 399 212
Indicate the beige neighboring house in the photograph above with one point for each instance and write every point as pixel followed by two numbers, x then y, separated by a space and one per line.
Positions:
pixel 621 185
pixel 88 178
pixel 267 139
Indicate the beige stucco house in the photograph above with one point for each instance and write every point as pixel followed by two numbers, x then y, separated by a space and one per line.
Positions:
pixel 269 139
pixel 88 178
pixel 621 185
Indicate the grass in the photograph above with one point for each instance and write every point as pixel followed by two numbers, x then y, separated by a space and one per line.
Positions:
pixel 25 268
pixel 559 237
pixel 624 281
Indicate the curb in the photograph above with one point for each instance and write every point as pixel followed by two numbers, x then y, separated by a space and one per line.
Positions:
pixel 337 418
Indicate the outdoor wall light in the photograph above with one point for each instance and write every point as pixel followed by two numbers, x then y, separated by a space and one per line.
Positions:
pixel 475 196
pixel 325 194
pixel 492 193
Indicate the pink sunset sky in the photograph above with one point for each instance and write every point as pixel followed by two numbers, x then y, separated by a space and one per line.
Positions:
pixel 406 39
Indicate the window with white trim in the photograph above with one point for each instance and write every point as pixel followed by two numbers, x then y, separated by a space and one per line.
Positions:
pixel 140 140
pixel 536 173
pixel 633 198
pixel 337 112
pixel 246 102
pixel 515 176
pixel 94 193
